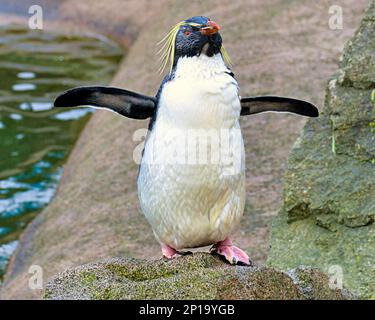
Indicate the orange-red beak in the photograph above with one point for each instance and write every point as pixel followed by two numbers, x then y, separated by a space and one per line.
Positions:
pixel 211 28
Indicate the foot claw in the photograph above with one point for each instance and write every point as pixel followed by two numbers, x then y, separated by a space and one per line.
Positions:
pixel 184 253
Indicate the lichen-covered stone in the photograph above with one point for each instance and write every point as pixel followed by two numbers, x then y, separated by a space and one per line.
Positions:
pixel 328 213
pixel 197 276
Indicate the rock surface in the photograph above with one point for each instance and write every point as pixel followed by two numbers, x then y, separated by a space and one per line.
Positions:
pixel 277 46
pixel 328 215
pixel 197 276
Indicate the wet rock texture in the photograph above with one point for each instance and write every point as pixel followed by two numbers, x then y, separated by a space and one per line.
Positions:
pixel 198 276
pixel 328 215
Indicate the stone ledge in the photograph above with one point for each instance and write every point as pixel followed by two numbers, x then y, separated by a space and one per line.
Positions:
pixel 197 276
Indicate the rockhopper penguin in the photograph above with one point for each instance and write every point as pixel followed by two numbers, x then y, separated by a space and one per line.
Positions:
pixel 191 203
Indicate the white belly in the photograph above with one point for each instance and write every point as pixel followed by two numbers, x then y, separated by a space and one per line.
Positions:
pixel 193 198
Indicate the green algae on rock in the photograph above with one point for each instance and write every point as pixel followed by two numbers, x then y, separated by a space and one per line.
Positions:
pixel 197 276
pixel 328 212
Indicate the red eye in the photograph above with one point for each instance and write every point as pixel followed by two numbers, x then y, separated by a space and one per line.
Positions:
pixel 187 33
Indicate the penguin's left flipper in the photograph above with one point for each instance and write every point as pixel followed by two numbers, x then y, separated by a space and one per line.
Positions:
pixel 127 103
pixel 259 104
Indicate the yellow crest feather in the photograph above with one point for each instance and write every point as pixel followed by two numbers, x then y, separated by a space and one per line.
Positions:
pixel 168 47
pixel 226 56
pixel 168 44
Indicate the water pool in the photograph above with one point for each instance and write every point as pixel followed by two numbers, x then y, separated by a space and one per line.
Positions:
pixel 35 66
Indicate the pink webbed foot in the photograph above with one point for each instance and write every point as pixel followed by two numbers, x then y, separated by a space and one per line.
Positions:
pixel 168 251
pixel 171 253
pixel 231 253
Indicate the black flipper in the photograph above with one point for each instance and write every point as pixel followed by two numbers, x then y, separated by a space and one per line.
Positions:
pixel 259 104
pixel 124 102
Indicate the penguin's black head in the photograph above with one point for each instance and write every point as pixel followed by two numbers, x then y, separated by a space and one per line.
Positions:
pixel 192 37
pixel 198 35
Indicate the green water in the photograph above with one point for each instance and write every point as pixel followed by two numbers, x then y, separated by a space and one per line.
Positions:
pixel 35 139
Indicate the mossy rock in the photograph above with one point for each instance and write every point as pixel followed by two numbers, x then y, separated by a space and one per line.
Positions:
pixel 197 276
pixel 328 214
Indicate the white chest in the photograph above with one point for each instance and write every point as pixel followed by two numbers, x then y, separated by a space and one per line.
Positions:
pixel 190 202
pixel 202 95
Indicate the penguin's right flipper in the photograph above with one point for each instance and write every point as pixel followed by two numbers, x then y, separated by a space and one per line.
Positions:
pixel 253 105
pixel 127 103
